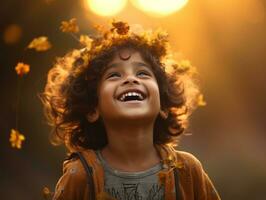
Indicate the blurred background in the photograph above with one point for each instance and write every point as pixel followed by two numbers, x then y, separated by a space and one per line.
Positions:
pixel 224 39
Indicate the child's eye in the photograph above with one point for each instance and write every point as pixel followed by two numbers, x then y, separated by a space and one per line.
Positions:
pixel 143 73
pixel 113 74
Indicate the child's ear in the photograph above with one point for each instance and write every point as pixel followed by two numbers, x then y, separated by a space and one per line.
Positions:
pixel 93 116
pixel 164 114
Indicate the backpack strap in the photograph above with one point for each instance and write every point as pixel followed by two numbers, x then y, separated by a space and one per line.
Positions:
pixel 89 172
pixel 177 191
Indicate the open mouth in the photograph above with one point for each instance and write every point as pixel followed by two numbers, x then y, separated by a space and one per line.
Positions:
pixel 132 96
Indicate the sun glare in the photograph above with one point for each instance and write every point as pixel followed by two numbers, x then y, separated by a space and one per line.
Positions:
pixel 159 7
pixel 106 7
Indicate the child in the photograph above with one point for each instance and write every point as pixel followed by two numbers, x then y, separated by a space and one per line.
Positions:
pixel 119 105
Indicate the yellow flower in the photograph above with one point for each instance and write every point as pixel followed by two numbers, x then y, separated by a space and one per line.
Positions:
pixel 16 138
pixel 22 68
pixel 69 26
pixel 40 44
pixel 86 41
pixel 201 101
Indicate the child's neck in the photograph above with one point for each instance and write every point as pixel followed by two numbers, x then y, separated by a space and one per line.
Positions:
pixel 130 148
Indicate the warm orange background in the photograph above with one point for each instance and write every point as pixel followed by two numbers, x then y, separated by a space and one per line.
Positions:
pixel 225 39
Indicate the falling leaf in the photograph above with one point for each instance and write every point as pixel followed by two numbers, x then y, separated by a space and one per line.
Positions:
pixel 47 194
pixel 86 41
pixel 201 101
pixel 40 44
pixel 16 138
pixel 22 69
pixel 69 26
pixel 12 34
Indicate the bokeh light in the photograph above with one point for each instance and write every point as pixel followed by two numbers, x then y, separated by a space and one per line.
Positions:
pixel 159 7
pixel 12 34
pixel 105 7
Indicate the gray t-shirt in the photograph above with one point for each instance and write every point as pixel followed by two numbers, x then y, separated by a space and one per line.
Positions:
pixel 143 185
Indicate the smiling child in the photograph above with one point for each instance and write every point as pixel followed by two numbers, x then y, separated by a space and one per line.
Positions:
pixel 120 106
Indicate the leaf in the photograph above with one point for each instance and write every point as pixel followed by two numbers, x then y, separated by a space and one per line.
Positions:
pixel 201 101
pixel 22 69
pixel 121 28
pixel 16 139
pixel 47 194
pixel 40 44
pixel 86 41
pixel 69 26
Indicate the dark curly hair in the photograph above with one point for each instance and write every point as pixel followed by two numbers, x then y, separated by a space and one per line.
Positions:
pixel 71 93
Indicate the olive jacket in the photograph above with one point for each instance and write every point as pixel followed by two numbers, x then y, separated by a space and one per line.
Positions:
pixel 192 184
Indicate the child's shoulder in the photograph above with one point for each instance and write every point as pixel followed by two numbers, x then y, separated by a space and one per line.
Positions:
pixel 73 159
pixel 81 161
pixel 184 155
pixel 73 182
pixel 72 165
pixel 178 158
pixel 188 160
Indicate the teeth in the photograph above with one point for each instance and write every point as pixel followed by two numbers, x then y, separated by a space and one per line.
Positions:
pixel 122 98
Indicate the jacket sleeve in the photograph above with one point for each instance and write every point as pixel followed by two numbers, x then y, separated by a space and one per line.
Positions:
pixel 73 183
pixel 202 185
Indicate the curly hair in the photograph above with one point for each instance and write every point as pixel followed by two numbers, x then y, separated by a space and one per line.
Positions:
pixel 71 93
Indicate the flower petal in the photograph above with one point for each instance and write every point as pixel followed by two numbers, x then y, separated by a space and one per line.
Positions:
pixel 40 44
pixel 69 26
pixel 22 68
pixel 16 138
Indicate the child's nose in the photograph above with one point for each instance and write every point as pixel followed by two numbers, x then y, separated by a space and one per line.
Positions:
pixel 130 80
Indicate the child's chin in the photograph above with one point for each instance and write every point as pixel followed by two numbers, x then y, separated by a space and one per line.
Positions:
pixel 136 115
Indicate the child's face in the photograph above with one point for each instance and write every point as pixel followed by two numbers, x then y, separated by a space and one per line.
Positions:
pixel 128 89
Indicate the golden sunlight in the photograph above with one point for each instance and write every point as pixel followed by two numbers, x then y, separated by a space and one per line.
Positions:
pixel 106 7
pixel 159 7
